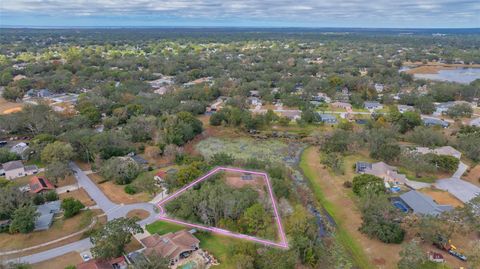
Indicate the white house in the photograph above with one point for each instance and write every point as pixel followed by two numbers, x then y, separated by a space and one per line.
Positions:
pixel 16 169
pixel 21 149
pixel 379 87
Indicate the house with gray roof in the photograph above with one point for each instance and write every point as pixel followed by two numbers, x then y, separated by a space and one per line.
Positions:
pixel 435 122
pixel 420 203
pixel 46 213
pixel 372 105
pixel 327 118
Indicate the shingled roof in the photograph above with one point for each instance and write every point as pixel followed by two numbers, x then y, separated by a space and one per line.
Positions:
pixel 170 245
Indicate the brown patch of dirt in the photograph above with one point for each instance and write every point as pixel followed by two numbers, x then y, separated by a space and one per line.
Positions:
pixel 334 192
pixel 71 258
pixel 79 194
pixel 70 180
pixel 139 213
pixel 116 193
pixel 7 107
pixel 442 197
pixel 235 180
pixel 473 176
pixel 84 166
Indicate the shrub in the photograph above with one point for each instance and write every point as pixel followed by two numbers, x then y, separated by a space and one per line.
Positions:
pixel 347 184
pixel 38 199
pixel 51 196
pixel 71 207
pixel 130 189
pixel 366 182
pixel 445 163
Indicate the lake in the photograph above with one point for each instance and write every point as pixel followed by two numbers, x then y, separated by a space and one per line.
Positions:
pixel 463 75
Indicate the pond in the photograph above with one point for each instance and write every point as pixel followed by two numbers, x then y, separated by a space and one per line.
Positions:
pixel 463 75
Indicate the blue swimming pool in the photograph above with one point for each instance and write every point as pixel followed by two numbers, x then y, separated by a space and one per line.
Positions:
pixel 189 265
pixel 400 206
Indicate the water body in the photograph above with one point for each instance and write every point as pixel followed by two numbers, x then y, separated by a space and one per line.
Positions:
pixel 463 75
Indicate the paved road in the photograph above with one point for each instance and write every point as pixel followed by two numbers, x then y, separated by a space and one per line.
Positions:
pixel 78 246
pixel 111 209
pixel 460 170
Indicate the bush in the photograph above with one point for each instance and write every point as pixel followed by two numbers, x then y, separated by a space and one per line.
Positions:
pixel 51 196
pixel 130 189
pixel 369 183
pixel 38 199
pixel 347 184
pixel 71 207
pixel 445 163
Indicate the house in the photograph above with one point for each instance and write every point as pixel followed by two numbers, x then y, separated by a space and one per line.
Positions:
pixel 117 263
pixel 420 203
pixel 382 170
pixel 21 149
pixel 372 105
pixel 405 108
pixel 138 159
pixel 346 106
pixel 321 97
pixel 441 108
pixel 379 87
pixel 435 257
pixel 435 122
pixel 254 101
pixel 475 122
pixel 40 184
pixel 160 176
pixel 446 150
pixel 174 246
pixel 291 114
pixel 254 93
pixel 46 213
pixel 14 169
pixel 327 118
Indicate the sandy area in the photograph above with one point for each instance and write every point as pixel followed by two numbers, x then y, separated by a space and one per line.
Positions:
pixel 9 107
pixel 71 258
pixel 79 194
pixel 139 213
pixel 432 67
pixel 235 180
pixel 474 175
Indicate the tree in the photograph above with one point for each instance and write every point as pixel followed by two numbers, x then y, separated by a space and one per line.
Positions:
pixel 255 219
pixel 411 256
pixel 146 183
pixel 152 262
pixel 417 162
pixel 71 207
pixel 334 161
pixel 11 198
pixel 367 184
pixel 6 156
pixel 445 163
pixel 57 152
pixel 13 93
pixel 57 171
pixel 51 196
pixel 120 169
pixel 427 137
pixel 110 241
pixel 473 255
pixel 23 219
pixel 339 141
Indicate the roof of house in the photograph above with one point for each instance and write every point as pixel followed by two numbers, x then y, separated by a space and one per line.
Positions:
pixel 327 117
pixel 434 121
pixel 422 204
pixel 161 174
pixel 171 244
pixel 38 184
pixel 46 213
pixel 117 263
pixel 372 104
pixel 383 170
pixel 12 165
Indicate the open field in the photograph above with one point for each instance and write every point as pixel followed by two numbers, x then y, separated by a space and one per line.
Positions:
pixel 9 107
pixel 116 193
pixel 79 194
pixel 329 191
pixel 71 258
pixel 246 148
pixel 442 197
pixel 213 243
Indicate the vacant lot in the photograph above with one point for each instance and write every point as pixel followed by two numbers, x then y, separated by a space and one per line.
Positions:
pixel 9 107
pixel 247 148
pixel 71 258
pixel 79 194
pixel 116 193
pixel 442 197
pixel 235 180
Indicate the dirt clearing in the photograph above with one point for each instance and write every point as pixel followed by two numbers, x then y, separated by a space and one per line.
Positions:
pixel 442 197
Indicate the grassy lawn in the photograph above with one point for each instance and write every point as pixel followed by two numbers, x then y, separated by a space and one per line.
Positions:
pixel 342 235
pixel 433 265
pixel 215 244
pixel 411 175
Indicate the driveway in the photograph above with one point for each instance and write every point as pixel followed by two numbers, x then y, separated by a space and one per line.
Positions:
pixel 463 190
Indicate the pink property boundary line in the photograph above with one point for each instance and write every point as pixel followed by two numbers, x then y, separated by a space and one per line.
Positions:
pixel 282 244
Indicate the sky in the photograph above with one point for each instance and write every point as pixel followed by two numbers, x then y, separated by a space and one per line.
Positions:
pixel 247 13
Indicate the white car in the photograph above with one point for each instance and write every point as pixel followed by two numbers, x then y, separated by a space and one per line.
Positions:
pixel 86 257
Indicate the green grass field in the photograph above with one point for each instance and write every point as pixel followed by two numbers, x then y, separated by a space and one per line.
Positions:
pixel 215 244
pixel 342 236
